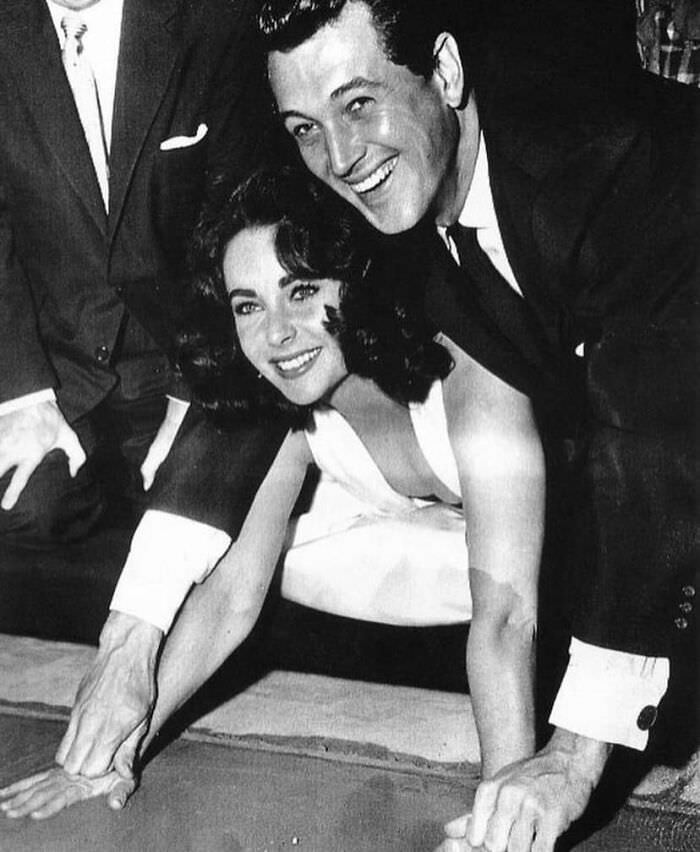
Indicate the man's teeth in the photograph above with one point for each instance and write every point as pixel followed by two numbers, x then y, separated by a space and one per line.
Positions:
pixel 381 174
pixel 299 361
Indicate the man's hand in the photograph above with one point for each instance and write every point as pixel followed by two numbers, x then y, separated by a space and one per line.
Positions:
pixel 115 700
pixel 456 836
pixel 163 441
pixel 46 793
pixel 529 804
pixel 26 436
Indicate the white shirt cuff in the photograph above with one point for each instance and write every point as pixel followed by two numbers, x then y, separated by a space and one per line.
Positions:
pixel 610 696
pixel 178 401
pixel 45 395
pixel 168 553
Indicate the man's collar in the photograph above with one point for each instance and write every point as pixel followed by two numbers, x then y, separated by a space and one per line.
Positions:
pixel 106 14
pixel 478 210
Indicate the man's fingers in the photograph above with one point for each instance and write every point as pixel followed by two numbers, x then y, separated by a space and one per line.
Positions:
pixel 505 814
pixel 56 803
pixel 458 827
pixel 24 802
pixel 19 479
pixel 120 794
pixel 150 465
pixel 125 757
pixel 484 804
pixel 66 743
pixel 75 747
pixel 69 443
pixel 20 786
pixel 91 753
pixel 97 759
pixel 548 830
pixel 147 475
pixel 522 833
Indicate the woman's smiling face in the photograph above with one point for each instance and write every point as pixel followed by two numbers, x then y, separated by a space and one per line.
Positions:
pixel 281 321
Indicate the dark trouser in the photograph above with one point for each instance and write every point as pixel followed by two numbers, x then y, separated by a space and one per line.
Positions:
pixel 55 509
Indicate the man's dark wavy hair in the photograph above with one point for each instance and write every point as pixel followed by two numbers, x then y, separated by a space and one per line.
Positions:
pixel 407 28
pixel 381 326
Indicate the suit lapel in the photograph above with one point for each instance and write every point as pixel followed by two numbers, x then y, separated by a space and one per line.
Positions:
pixel 147 54
pixel 30 43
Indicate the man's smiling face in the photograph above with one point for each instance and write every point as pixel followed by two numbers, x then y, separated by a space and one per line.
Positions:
pixel 382 137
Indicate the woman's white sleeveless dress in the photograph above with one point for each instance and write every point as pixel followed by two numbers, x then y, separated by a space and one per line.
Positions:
pixel 365 551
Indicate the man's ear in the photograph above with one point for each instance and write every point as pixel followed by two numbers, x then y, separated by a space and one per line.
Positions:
pixel 449 72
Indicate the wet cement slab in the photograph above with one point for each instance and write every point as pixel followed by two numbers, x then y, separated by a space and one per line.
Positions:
pixel 200 796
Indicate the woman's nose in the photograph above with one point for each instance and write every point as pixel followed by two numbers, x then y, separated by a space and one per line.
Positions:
pixel 280 328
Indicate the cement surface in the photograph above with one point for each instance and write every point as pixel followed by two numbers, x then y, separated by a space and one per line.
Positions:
pixel 430 725
pixel 200 797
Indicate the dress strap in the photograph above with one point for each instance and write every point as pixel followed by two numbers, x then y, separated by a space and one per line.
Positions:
pixel 430 426
pixel 339 452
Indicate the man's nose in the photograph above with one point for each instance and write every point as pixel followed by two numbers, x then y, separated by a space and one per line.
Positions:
pixel 280 328
pixel 345 148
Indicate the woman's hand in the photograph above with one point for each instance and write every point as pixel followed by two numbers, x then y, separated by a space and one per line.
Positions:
pixel 46 793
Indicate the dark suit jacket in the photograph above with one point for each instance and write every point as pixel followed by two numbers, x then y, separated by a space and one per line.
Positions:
pixel 68 272
pixel 597 200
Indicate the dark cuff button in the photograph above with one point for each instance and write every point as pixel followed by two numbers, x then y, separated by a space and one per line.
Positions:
pixel 688 591
pixel 102 354
pixel 681 623
pixel 647 717
pixel 685 607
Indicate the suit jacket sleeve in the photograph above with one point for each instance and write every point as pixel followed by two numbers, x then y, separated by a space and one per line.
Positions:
pixel 211 474
pixel 23 364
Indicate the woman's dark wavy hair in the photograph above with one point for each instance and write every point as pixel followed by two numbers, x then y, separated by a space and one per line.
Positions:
pixel 380 324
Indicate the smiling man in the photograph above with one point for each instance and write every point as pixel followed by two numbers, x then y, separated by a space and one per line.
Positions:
pixel 569 211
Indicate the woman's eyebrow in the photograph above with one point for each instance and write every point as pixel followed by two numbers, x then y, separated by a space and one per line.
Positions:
pixel 241 291
pixel 288 279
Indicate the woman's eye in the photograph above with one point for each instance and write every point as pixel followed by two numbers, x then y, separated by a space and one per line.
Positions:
pixel 301 292
pixel 241 309
pixel 302 132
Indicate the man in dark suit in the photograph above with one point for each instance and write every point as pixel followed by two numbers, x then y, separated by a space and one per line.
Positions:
pixel 92 237
pixel 569 204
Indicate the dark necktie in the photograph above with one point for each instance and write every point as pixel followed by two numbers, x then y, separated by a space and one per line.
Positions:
pixel 509 312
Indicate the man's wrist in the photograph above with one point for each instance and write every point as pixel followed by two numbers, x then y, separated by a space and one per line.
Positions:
pixel 121 630
pixel 585 755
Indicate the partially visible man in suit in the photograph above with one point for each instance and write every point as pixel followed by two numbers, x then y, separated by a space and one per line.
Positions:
pixel 114 114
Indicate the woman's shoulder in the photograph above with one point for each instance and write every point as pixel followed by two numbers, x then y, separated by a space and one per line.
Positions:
pixel 471 391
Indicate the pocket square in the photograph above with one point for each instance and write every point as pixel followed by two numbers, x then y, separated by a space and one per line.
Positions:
pixel 184 141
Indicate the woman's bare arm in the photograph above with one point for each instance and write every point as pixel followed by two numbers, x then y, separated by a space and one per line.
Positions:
pixel 219 614
pixel 502 476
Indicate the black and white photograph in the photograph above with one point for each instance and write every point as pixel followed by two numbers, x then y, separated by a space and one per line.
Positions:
pixel 349 425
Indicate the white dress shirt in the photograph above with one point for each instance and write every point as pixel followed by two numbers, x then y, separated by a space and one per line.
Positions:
pixel 101 47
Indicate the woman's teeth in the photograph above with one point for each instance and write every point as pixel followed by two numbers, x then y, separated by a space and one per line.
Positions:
pixel 298 361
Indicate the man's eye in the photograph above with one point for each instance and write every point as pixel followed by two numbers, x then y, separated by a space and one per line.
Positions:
pixel 241 309
pixel 358 106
